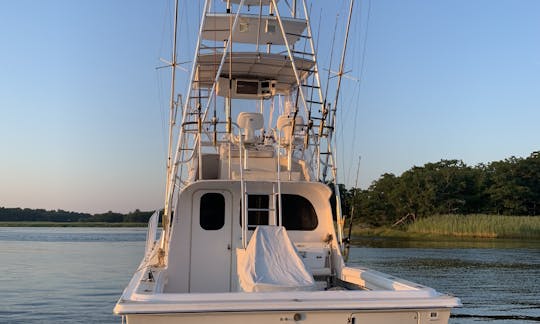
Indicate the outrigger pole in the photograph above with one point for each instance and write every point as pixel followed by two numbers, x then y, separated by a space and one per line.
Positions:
pixel 172 105
pixel 172 122
pixel 334 169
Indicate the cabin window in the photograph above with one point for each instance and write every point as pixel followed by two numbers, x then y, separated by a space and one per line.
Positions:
pixel 298 213
pixel 257 210
pixel 212 211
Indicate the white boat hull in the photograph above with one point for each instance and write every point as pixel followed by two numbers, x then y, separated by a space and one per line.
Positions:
pixel 341 306
pixel 311 317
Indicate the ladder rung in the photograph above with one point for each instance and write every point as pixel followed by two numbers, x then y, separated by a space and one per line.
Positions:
pixel 260 209
pixel 310 86
pixel 216 30
pixel 306 70
pixel 303 53
pixel 314 102
pixel 299 35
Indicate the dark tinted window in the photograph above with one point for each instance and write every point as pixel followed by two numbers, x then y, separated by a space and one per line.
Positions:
pixel 212 211
pixel 298 213
pixel 247 87
pixel 257 211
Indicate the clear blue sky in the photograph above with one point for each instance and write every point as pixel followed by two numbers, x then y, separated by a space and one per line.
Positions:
pixel 83 110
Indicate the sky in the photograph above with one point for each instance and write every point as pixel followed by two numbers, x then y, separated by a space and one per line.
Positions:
pixel 84 106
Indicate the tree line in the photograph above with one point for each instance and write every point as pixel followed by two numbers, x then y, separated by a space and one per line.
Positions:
pixel 507 187
pixel 42 215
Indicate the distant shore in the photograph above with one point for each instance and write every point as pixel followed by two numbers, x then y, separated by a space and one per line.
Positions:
pixel 70 224
pixel 453 226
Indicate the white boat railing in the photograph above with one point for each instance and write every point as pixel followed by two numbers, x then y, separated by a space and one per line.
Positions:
pixel 151 234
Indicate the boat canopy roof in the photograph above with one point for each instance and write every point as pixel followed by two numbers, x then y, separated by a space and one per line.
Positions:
pixel 256 66
pixel 250 28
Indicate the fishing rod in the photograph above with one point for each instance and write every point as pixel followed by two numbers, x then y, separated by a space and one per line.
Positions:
pixel 351 217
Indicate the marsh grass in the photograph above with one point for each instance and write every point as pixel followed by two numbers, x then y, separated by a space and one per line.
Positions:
pixel 478 225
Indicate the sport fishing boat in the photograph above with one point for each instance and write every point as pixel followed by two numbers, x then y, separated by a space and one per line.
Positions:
pixel 251 230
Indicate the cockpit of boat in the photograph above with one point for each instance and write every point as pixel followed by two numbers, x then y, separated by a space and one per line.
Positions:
pixel 211 262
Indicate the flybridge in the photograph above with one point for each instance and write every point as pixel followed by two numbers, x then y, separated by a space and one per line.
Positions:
pixel 269 57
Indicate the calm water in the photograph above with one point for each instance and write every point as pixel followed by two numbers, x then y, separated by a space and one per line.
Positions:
pixel 75 275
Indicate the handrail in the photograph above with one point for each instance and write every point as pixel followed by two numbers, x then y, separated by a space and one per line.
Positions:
pixel 243 202
pixel 280 218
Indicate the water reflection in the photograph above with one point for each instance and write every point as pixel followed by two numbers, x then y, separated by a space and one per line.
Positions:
pixel 497 280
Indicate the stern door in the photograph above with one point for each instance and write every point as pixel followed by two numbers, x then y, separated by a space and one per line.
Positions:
pixel 210 269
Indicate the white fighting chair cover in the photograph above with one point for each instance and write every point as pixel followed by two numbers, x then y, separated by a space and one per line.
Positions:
pixel 270 262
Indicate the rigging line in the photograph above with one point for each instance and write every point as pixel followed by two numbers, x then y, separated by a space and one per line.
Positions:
pixel 331 57
pixel 351 100
pixel 185 17
pixel 288 5
pixel 173 90
pixel 162 111
pixel 171 185
pixel 338 87
pixel 364 45
pixel 312 77
pixel 362 64
pixel 318 34
pixel 167 25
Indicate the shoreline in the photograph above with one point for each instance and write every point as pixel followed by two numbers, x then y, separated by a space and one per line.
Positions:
pixel 70 224
pixel 385 232
pixel 357 232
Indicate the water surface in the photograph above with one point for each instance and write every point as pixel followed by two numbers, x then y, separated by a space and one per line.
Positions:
pixel 497 280
pixel 75 275
pixel 65 275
